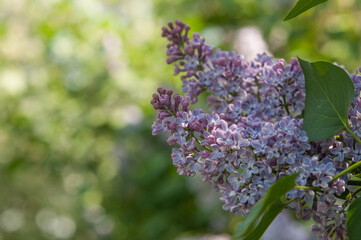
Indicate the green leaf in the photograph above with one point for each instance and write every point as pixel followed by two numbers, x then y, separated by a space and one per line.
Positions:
pixel 276 191
pixel 271 213
pixel 329 94
pixel 357 175
pixel 353 219
pixel 302 6
pixel 248 223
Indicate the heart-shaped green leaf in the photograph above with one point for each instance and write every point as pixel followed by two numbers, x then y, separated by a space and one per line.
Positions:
pixel 329 94
pixel 302 6
pixel 353 220
pixel 273 195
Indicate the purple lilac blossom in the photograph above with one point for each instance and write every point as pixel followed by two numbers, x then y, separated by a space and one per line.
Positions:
pixel 252 134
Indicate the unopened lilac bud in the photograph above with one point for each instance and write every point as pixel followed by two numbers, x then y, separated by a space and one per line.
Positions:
pixel 161 90
pixel 177 100
pixel 188 50
pixel 228 74
pixel 220 61
pixel 171 140
pixel 172 59
pixel 169 92
pixel 166 100
pixel 185 105
pixel 158 106
pixel 196 126
pixel 162 115
pixel 177 70
pixel 155 97
pixel 293 61
pixel 177 97
pixel 172 126
pixel 196 35
pixel 179 23
pixel 177 30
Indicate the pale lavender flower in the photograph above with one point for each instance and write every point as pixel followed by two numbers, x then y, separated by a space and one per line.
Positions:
pixel 249 195
pixel 356 153
pixel 259 145
pixel 178 155
pixel 185 119
pixel 288 155
pixel 180 136
pixel 286 126
pixel 213 119
pixel 218 152
pixel 236 109
pixel 249 168
pixel 195 163
pixel 340 151
pixel 264 179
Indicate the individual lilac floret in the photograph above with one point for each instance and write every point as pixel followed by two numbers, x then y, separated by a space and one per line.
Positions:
pixel 178 156
pixel 206 78
pixel 235 180
pixel 249 195
pixel 249 168
pixel 180 136
pixel 185 119
pixel 195 163
pixel 239 142
pixel 356 153
pixel 286 127
pixel 260 145
pixel 213 119
pixel 265 178
pixel 217 152
pixel 236 109
pixel 340 151
pixel 288 156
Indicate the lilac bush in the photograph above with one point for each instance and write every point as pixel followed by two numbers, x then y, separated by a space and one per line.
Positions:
pixel 252 134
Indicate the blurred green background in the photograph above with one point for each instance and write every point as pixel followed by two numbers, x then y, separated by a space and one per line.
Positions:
pixel 77 158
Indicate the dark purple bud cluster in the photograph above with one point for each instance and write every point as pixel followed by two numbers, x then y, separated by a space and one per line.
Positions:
pixel 177 35
pixel 252 134
pixel 167 104
pixel 189 55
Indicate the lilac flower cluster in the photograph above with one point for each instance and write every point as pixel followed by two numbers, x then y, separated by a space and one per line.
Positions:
pixel 252 134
